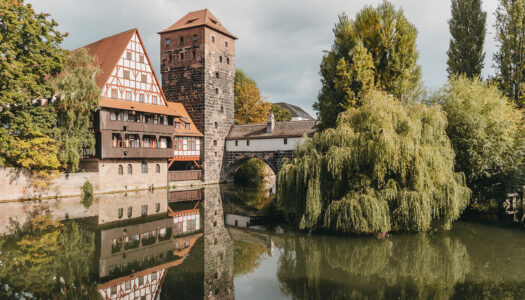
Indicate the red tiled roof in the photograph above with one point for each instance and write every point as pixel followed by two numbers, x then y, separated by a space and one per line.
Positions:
pixel 282 129
pixel 199 18
pixel 185 118
pixel 144 107
pixel 107 52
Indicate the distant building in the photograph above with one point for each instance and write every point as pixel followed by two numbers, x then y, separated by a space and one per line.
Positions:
pixel 298 114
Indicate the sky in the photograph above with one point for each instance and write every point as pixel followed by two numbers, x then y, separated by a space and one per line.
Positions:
pixel 280 42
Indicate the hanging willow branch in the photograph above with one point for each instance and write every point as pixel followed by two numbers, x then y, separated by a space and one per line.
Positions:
pixel 385 166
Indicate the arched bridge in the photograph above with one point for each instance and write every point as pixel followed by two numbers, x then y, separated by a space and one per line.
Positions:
pixel 269 142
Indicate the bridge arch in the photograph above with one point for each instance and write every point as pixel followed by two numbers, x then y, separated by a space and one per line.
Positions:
pixel 233 160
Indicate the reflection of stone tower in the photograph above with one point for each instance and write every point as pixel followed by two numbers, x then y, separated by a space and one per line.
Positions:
pixel 198 69
pixel 218 248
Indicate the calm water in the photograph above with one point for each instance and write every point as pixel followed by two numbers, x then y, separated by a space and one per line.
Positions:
pixel 196 244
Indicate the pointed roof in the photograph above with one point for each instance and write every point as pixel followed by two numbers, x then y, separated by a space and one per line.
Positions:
pixel 199 18
pixel 107 52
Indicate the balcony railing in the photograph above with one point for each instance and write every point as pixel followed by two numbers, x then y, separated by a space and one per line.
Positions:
pixel 185 175
pixel 190 195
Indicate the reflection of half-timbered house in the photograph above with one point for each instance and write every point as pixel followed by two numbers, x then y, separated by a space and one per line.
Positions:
pixel 134 124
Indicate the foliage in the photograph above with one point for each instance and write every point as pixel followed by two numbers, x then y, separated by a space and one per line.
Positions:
pixel 87 194
pixel 467 28
pixel 510 59
pixel 250 173
pixel 249 105
pixel 78 95
pixel 488 136
pixel 246 257
pixel 47 258
pixel 281 114
pixel 375 50
pixel 385 166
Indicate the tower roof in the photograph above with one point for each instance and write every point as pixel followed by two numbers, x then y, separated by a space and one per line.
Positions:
pixel 199 18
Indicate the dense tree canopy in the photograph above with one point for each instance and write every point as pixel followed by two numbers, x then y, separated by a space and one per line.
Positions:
pixel 249 105
pixel 281 114
pixel 510 59
pixel 385 166
pixel 487 134
pixel 375 50
pixel 467 28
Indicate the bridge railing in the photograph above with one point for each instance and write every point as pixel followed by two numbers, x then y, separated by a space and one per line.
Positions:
pixel 184 175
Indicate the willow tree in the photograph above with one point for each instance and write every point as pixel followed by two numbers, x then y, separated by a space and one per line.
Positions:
pixel 385 166
pixel 375 50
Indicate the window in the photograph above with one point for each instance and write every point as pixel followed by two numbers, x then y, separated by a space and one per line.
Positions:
pixel 157 168
pixel 157 207
pixel 228 60
pixel 168 42
pixel 141 98
pixel 141 59
pixel 285 141
pixel 193 54
pixel 114 290
pixel 192 145
pixel 141 280
pixel 163 142
pixel 130 211
pixel 112 115
pixel 216 124
pixel 217 91
pixel 114 93
pixel 195 38
pixel 125 74
pixel 213 39
pixel 226 44
pixel 144 210
pixel 130 169
pixel 120 170
pixel 181 40
pixel 128 95
pixel 120 213
pixel 182 56
pixel 154 101
pixel 236 143
pixel 154 276
pixel 220 58
pixel 116 140
pixel 214 142
pixel 187 126
pixel 222 109
pixel 128 55
pixel 177 125
pixel 144 167
pixel 216 74
pixel 247 142
pixel 215 153
pixel 144 78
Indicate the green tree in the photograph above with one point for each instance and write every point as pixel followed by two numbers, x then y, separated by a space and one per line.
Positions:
pixel 510 59
pixel 281 114
pixel 487 134
pixel 375 50
pixel 249 105
pixel 250 173
pixel 467 28
pixel 385 166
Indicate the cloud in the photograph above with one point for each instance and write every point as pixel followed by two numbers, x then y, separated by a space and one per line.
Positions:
pixel 280 43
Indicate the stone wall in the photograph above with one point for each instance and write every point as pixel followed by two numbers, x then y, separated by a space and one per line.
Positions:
pixel 233 159
pixel 16 184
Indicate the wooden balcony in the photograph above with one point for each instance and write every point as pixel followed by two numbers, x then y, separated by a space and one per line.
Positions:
pixel 128 152
pixel 185 175
pixel 189 195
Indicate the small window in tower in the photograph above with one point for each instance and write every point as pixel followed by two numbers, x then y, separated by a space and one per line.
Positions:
pixel 195 38
pixel 125 74
pixel 114 93
pixel 154 99
pixel 247 142
pixel 141 98
pixel 213 39
pixel 181 40
pixel 222 109
pixel 182 56
pixel 227 60
pixel 226 44
pixel 194 54
pixel 141 59
pixel 216 74
pixel 128 55
pixel 216 90
pixel 168 42
pixel 236 143
pixel 215 143
pixel 213 21
pixel 130 212
pixel 215 153
pixel 216 124
pixel 128 95
pixel 220 58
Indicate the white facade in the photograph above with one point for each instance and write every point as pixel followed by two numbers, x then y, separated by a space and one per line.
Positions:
pixel 186 146
pixel 140 287
pixel 186 222
pixel 135 64
pixel 272 144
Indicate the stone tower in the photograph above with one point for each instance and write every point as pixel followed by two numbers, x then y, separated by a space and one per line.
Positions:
pixel 198 69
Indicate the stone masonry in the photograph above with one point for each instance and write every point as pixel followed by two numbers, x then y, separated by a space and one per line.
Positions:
pixel 198 70
pixel 233 159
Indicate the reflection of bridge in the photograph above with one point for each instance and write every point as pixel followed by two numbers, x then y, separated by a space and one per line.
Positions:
pixel 269 142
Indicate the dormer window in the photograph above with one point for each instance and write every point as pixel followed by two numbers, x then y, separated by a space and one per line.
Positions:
pixel 168 42
pixel 213 21
pixel 177 125
pixel 195 38
pixel 187 126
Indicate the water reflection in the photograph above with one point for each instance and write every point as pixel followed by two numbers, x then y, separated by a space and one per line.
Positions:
pixel 186 244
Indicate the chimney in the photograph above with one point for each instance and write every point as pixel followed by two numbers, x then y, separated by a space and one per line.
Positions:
pixel 271 123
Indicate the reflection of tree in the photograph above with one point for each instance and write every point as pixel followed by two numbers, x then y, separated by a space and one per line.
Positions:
pixel 246 257
pixel 253 197
pixel 47 258
pixel 414 267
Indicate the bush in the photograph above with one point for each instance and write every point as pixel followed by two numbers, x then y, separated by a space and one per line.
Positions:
pixel 87 194
pixel 250 173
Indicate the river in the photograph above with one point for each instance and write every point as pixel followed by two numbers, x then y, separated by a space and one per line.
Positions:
pixel 211 243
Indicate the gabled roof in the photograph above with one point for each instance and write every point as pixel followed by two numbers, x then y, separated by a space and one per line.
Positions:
pixel 296 111
pixel 199 18
pixel 281 130
pixel 183 117
pixel 107 52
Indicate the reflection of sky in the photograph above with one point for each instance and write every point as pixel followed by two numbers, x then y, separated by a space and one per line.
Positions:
pixel 261 283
